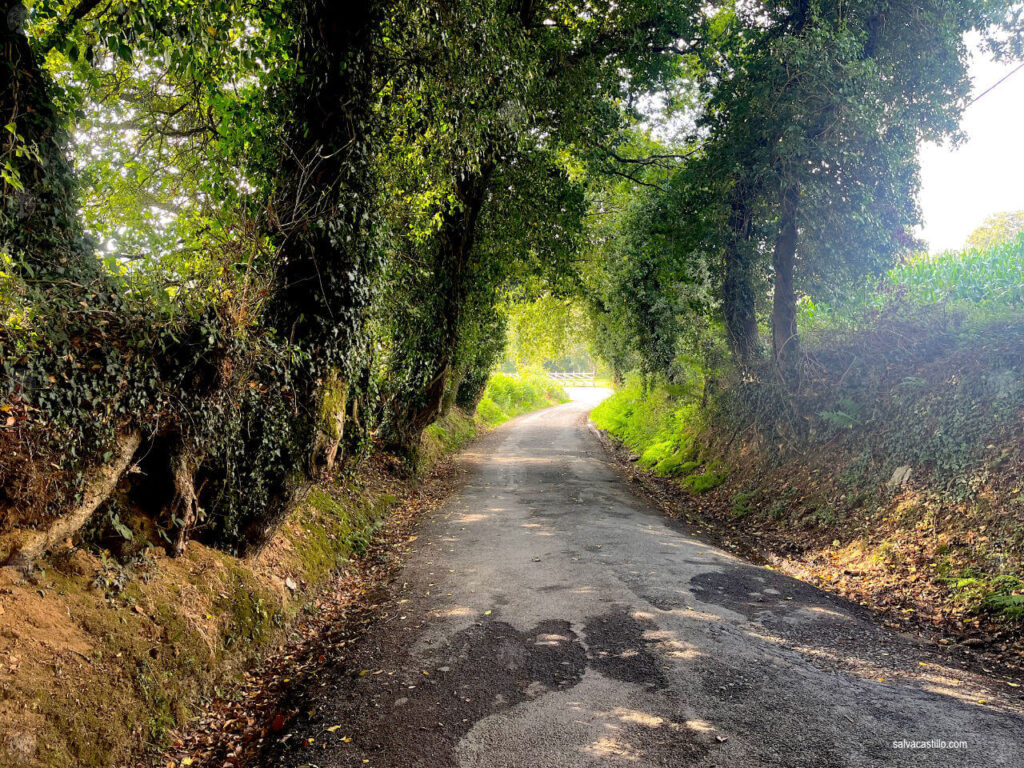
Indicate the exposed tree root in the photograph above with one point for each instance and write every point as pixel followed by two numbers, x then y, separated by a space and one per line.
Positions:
pixel 29 545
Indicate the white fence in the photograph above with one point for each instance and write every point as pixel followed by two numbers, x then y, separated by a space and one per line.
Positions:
pixel 573 379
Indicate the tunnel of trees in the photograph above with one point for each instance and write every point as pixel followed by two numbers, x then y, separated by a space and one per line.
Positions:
pixel 244 244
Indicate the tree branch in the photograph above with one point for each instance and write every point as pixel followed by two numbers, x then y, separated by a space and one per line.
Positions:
pixel 649 159
pixel 81 10
pixel 634 179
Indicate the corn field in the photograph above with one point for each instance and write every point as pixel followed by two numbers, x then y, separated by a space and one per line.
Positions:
pixel 991 276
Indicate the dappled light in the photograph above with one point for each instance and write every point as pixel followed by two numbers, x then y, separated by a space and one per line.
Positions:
pixel 506 383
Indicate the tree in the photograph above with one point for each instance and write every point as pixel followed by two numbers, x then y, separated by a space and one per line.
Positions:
pixel 996 229
pixel 547 76
pixel 40 231
pixel 819 108
pixel 227 377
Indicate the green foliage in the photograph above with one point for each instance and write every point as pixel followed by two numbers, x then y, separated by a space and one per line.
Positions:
pixel 989 276
pixel 508 396
pixel 846 416
pixel 741 503
pixel 714 475
pixel 987 284
pixel 800 166
pixel 488 410
pixel 262 201
pixel 217 217
pixel 1000 596
pixel 658 423
pixel 550 331
pixel 996 230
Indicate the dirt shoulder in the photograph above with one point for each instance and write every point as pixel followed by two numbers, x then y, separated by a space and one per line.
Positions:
pixel 236 725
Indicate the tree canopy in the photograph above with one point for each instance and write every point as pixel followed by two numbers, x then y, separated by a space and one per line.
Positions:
pixel 268 238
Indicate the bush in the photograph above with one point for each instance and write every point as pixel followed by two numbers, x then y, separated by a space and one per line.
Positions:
pixel 657 425
pixel 508 396
pixel 998 596
pixel 712 477
pixel 488 410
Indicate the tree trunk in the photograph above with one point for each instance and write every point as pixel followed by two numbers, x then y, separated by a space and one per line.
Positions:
pixel 330 425
pixel 452 390
pixel 39 223
pixel 456 239
pixel 785 342
pixel 738 302
pixel 185 504
pixel 320 286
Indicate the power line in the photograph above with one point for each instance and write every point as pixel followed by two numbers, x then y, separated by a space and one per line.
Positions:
pixel 999 82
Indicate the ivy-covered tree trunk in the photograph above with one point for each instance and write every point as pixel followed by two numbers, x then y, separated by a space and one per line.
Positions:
pixel 738 300
pixel 39 224
pixel 321 284
pixel 438 340
pixel 321 287
pixel 455 379
pixel 785 343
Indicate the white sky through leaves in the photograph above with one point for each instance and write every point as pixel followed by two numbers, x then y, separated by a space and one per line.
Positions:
pixel 962 186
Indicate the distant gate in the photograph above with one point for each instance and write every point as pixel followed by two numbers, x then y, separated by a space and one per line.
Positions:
pixel 573 379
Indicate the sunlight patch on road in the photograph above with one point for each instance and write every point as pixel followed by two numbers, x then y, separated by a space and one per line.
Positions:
pixel 458 610
pixel 700 726
pixel 471 518
pixel 606 746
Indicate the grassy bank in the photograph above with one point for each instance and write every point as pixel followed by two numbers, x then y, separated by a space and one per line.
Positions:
pixel 509 396
pixel 504 398
pixel 100 658
pixel 892 474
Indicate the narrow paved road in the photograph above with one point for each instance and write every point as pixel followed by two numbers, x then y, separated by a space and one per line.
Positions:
pixel 548 618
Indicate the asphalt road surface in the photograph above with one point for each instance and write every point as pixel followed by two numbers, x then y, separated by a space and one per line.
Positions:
pixel 549 618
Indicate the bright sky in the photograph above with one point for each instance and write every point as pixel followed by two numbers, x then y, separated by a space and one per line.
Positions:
pixel 962 187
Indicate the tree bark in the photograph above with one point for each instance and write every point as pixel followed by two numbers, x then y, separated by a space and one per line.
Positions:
pixel 185 505
pixel 452 390
pixel 456 240
pixel 318 296
pixel 738 301
pixel 39 222
pixel 785 342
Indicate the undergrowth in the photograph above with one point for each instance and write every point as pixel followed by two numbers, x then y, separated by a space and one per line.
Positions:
pixel 660 425
pixel 892 468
